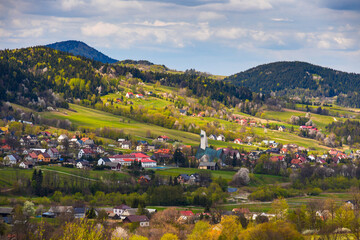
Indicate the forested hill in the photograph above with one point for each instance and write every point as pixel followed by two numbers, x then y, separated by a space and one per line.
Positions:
pixel 280 76
pixel 78 48
pixel 39 77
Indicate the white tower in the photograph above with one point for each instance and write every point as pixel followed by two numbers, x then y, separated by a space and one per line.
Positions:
pixel 203 140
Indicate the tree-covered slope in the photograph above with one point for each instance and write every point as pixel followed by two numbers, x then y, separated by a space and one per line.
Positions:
pixel 39 77
pixel 78 48
pixel 280 76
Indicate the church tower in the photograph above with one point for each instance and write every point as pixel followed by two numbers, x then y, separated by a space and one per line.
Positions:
pixel 203 140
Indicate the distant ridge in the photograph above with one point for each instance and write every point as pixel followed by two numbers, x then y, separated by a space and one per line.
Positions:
pixel 79 48
pixel 280 76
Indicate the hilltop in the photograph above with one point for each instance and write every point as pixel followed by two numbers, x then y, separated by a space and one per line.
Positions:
pixel 79 48
pixel 286 76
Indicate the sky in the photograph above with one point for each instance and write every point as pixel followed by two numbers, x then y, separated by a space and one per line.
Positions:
pixel 218 37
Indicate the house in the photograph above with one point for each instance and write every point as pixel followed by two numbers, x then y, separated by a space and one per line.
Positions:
pixel 44 157
pixel 183 112
pixel 238 141
pixel 58 210
pixel 129 95
pixel 103 161
pixel 126 145
pixel 6 214
pixel 83 164
pixel 142 219
pixel 11 159
pixel 281 128
pixel 149 93
pixel 120 209
pixel 212 137
pixel 139 95
pixel 80 212
pixel 100 149
pixel 163 138
pixel 144 179
pixel 69 162
pixel 62 138
pixel 209 165
pixel 86 153
pixel 54 153
pixel 87 141
pixel 243 122
pixel 221 138
pixel 185 216
pixel 115 166
pixel 26 165
pixel 183 178
pixel 148 163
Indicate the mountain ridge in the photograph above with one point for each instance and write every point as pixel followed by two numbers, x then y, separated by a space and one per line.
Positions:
pixel 79 48
pixel 285 75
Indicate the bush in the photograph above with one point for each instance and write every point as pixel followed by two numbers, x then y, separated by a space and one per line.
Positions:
pixel 314 191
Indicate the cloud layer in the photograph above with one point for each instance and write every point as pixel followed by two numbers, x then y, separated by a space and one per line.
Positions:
pixel 221 37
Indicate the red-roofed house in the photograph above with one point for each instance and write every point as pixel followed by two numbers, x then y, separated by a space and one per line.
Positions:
pixel 139 95
pixel 129 95
pixel 163 138
pixel 85 153
pixel 238 141
pixel 185 216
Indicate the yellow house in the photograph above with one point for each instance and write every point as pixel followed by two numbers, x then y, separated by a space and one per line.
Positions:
pixel 44 157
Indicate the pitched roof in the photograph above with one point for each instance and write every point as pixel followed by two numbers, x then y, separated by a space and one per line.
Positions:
pixel 186 213
pixel 122 206
pixel 137 218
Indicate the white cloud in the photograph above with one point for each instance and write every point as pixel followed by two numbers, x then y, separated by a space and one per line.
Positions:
pixel 100 29
pixel 209 16
pixel 71 4
pixel 35 32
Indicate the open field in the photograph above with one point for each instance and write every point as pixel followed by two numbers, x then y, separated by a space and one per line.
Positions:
pixel 258 179
pixel 90 174
pixel 320 120
pixel 92 118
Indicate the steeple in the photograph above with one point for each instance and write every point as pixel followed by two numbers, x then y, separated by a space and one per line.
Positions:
pixel 203 140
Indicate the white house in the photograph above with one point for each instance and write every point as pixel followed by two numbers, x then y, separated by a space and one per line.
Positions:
pixel 11 159
pixel 212 137
pixel 120 209
pixel 126 145
pixel 82 164
pixel 139 96
pixel 238 141
pixel 129 95
pixel 103 160
pixel 148 163
pixel 85 153
pixel 221 138
pixel 62 138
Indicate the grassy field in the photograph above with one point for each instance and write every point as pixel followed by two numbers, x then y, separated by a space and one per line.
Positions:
pixel 91 174
pixel 320 120
pixel 92 118
pixel 257 180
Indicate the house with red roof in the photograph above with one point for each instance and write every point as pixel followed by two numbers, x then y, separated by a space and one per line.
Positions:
pixel 238 141
pixel 163 138
pixel 186 216
pixel 139 95
pixel 86 153
pixel 129 95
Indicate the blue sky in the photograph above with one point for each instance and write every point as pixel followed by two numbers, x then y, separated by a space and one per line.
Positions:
pixel 219 37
